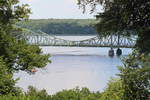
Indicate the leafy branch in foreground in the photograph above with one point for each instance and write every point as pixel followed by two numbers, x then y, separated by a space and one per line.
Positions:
pixel 122 15
pixel 15 54
pixel 135 76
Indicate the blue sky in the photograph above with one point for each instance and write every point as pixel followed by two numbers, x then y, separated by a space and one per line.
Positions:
pixel 44 9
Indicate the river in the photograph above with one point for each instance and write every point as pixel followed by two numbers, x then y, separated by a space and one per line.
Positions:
pixel 89 67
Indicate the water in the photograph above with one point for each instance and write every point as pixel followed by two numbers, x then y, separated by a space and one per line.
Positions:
pixel 74 66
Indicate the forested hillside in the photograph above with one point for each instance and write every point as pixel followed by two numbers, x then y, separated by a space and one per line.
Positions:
pixel 61 26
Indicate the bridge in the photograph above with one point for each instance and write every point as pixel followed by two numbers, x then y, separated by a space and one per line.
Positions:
pixel 43 39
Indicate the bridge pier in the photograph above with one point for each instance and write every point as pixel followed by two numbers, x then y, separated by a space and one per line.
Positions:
pixel 111 52
pixel 119 52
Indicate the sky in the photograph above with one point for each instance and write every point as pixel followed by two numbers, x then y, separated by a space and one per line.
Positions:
pixel 44 9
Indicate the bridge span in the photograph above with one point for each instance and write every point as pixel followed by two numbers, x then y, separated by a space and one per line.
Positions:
pixel 43 39
pixel 109 41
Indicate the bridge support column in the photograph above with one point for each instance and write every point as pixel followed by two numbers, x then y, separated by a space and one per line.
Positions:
pixel 111 52
pixel 119 52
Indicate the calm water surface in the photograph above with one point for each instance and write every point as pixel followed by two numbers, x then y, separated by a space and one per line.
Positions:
pixel 74 66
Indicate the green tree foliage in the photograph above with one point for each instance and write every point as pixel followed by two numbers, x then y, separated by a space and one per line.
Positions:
pixel 76 94
pixel 38 95
pixel 73 94
pixel 143 41
pixel 120 15
pixel 15 54
pixel 7 83
pixel 114 90
pixel 20 56
pixel 61 26
pixel 10 12
pixel 136 77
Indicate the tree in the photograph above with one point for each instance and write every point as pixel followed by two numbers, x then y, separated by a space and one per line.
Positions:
pixel 61 26
pixel 114 90
pixel 7 83
pixel 120 15
pixel 10 13
pixel 15 54
pixel 136 77
pixel 18 55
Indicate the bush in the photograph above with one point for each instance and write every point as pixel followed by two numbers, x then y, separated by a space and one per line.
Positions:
pixel 114 90
pixel 72 94
pixel 135 76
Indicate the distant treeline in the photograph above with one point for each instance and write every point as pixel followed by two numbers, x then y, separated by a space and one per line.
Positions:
pixel 61 26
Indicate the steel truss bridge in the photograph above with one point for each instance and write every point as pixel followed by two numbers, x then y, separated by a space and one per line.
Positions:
pixel 43 39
